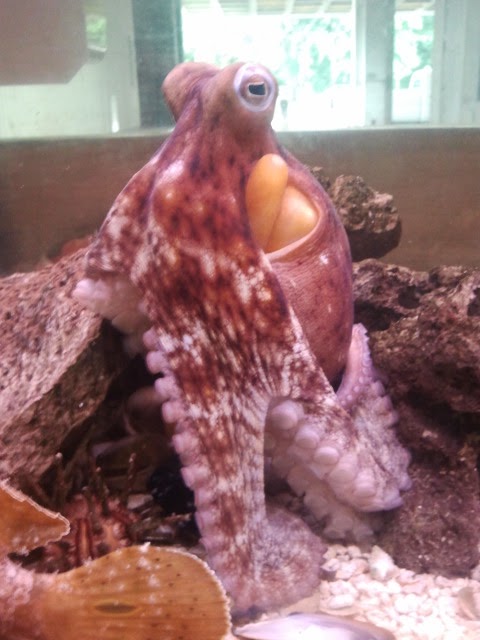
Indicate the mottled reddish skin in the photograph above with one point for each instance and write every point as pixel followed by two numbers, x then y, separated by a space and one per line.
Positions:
pixel 224 142
pixel 179 232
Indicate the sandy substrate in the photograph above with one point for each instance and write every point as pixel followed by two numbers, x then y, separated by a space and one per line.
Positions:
pixel 367 586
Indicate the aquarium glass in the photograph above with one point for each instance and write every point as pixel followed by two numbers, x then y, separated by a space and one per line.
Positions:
pixel 388 90
pixel 71 68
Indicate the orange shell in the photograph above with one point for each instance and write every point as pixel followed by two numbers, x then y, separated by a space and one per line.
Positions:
pixel 135 593
pixel 25 525
pixel 309 252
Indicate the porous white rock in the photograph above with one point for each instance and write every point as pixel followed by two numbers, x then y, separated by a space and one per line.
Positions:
pixel 381 565
pixel 341 601
pixel 411 606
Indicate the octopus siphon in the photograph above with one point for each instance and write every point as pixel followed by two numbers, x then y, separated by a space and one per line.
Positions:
pixel 224 262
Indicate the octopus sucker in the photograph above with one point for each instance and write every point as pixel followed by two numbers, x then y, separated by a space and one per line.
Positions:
pixel 239 269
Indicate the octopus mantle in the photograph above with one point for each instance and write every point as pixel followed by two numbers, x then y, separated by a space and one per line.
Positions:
pixel 247 340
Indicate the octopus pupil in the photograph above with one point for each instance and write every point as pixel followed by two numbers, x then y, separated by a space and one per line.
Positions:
pixel 257 89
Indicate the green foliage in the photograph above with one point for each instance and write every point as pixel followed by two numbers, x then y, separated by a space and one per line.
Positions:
pixel 301 52
pixel 96 26
pixel 414 34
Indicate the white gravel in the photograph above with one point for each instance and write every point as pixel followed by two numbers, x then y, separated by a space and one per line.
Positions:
pixel 368 586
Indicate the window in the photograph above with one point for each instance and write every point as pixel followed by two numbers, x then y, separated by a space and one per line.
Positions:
pixel 341 63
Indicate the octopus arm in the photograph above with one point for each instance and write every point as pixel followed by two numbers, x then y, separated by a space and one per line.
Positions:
pixel 340 451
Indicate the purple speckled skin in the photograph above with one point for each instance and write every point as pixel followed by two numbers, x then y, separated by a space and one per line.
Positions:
pixel 247 342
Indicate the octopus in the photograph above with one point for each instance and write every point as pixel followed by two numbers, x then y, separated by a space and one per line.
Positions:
pixel 223 262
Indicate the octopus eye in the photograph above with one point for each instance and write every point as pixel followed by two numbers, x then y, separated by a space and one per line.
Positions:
pixel 255 87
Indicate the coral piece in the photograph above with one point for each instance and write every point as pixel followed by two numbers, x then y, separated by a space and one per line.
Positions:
pixel 97 529
pixel 246 342
pixel 56 362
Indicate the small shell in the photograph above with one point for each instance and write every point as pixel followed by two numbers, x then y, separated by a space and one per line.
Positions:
pixel 312 626
pixel 381 565
pixel 135 593
pixel 469 603
pixel 26 525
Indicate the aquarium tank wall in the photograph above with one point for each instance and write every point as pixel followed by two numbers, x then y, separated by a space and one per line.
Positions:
pixel 255 345
pixel 386 89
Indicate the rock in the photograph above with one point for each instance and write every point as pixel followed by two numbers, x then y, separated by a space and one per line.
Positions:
pixel 370 219
pixel 424 330
pixel 57 361
pixel 437 528
pixel 424 335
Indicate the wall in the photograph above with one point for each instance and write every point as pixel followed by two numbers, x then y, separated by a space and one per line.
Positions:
pixel 51 192
pixel 433 174
pixel 456 63
pixel 100 98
